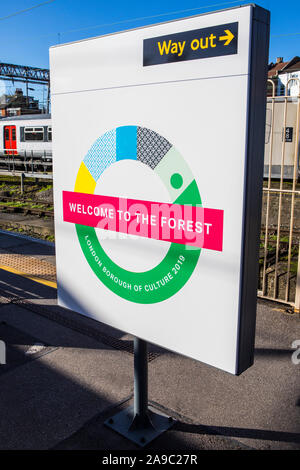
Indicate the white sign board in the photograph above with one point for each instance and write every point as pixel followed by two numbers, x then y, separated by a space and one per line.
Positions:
pixel 158 137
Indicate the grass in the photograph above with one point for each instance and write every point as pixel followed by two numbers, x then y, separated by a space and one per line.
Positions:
pixel 45 188
pixel 13 184
pixel 273 238
pixel 26 204
pixel 37 206
pixel 13 188
pixel 14 204
pixel 276 184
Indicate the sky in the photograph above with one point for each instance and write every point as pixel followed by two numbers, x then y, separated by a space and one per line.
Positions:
pixel 29 27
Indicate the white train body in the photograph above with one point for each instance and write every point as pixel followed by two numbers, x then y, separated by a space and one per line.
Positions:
pixel 31 136
pixel 26 135
pixel 281 142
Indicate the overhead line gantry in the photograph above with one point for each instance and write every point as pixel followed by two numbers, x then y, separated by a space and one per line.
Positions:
pixel 26 74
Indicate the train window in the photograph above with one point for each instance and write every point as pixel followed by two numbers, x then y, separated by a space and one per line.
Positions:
pixel 13 135
pixel 6 134
pixel 50 133
pixel 34 133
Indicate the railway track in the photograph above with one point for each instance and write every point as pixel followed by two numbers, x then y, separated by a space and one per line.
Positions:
pixel 283 230
pixel 284 235
pixel 10 204
pixel 23 206
pixel 15 165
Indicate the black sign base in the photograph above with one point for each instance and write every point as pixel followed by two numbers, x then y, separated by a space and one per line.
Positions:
pixel 141 432
pixel 140 423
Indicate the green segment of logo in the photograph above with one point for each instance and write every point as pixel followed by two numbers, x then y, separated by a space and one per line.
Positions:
pixel 176 180
pixel 147 287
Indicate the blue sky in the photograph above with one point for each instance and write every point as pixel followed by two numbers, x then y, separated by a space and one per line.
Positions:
pixel 25 38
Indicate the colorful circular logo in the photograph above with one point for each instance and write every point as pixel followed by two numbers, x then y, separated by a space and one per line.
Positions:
pixel 143 146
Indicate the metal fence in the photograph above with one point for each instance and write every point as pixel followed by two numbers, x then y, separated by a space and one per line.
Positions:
pixel 280 230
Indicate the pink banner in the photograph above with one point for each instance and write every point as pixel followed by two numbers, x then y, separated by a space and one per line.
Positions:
pixel 188 225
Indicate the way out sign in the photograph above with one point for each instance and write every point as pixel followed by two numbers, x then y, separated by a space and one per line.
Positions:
pixel 158 157
pixel 202 43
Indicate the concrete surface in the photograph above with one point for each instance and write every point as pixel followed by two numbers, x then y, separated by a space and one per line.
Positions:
pixel 61 399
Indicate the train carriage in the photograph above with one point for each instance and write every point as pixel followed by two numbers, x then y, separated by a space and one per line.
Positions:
pixel 30 137
pixel 26 136
pixel 281 140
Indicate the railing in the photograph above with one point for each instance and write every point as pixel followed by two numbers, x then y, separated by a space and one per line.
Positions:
pixel 280 236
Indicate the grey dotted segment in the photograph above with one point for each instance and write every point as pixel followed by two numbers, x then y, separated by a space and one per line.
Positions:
pixel 151 147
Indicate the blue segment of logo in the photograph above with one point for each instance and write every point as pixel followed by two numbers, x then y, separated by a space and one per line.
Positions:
pixel 126 142
pixel 101 154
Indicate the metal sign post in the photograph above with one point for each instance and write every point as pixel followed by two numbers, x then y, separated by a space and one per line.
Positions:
pixel 139 423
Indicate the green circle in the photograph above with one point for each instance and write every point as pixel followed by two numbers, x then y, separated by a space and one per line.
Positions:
pixel 176 180
pixel 154 285
pixel 144 288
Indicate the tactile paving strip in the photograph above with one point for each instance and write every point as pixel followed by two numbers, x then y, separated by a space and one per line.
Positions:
pixel 36 268
pixel 29 266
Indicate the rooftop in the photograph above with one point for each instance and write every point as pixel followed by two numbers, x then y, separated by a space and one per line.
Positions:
pixel 25 117
pixel 283 67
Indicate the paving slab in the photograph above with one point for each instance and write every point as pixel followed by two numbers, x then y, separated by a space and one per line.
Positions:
pixel 28 266
pixel 94 435
pixel 42 300
pixel 20 347
pixel 27 246
pixel 260 407
pixel 61 399
pixel 12 284
pixel 35 250
pixel 45 400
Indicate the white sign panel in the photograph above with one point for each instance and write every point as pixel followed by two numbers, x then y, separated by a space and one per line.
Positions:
pixel 158 137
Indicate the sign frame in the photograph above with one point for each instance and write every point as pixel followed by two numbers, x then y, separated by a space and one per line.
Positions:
pixel 253 186
pixel 255 128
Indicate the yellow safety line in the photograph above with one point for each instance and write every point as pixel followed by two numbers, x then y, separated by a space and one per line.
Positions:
pixel 32 278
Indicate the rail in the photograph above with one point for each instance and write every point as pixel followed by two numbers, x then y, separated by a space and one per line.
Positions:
pixel 30 163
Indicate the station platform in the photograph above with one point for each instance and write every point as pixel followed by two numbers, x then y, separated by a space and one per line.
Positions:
pixel 66 374
pixel 28 257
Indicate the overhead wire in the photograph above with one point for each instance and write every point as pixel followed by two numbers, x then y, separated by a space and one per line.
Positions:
pixel 25 10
